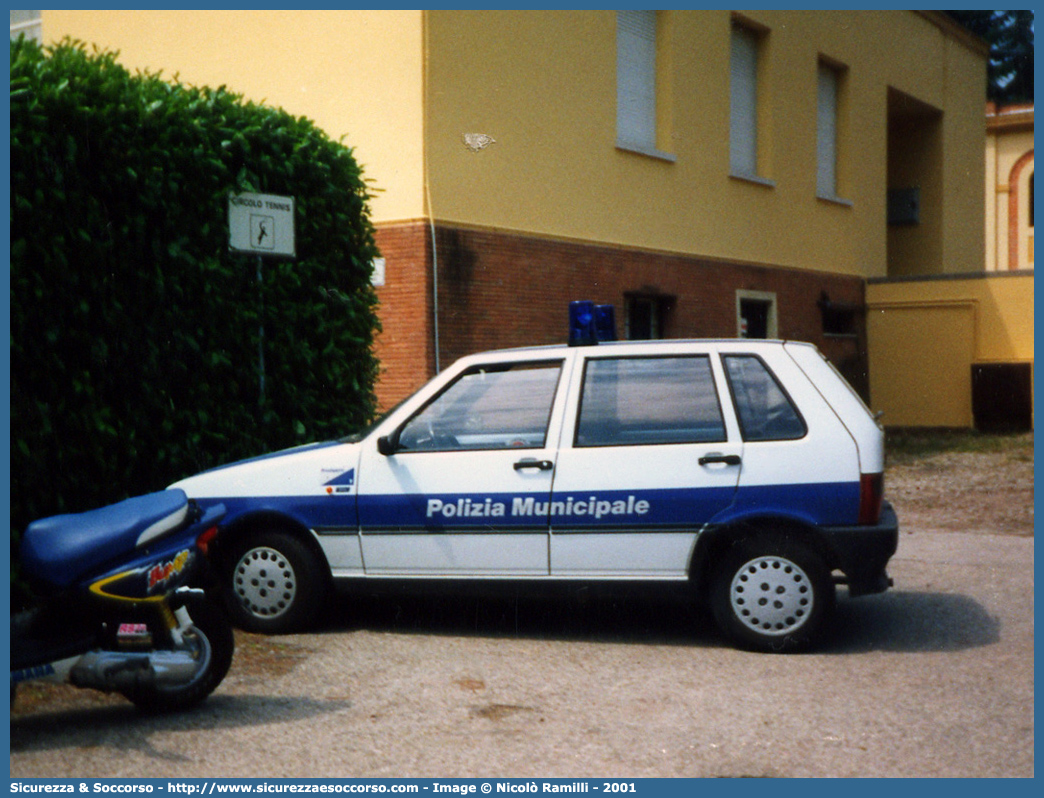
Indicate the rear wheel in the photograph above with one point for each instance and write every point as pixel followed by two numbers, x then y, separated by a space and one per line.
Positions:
pixel 276 584
pixel 772 594
pixel 210 643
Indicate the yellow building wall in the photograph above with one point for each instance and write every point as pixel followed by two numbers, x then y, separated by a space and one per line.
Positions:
pixel 964 161
pixel 404 87
pixel 356 74
pixel 554 168
pixel 925 335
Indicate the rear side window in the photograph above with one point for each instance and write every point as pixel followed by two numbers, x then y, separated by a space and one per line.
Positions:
pixel 765 411
pixel 653 400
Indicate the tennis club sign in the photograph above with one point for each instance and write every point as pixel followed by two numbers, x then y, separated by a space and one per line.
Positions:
pixel 261 224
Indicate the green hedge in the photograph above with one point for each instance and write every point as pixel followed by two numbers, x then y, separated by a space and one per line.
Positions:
pixel 134 329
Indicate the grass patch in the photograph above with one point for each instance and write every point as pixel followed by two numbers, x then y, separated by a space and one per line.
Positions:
pixel 914 443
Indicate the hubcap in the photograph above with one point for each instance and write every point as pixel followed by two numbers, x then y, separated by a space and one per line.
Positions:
pixel 265 582
pixel 772 596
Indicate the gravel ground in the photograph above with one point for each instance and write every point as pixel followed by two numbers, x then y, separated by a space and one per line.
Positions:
pixel 933 678
pixel 988 491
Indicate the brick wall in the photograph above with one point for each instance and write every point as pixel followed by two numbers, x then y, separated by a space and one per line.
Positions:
pixel 499 290
pixel 404 345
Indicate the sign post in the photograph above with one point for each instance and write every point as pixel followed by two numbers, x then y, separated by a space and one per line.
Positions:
pixel 262 225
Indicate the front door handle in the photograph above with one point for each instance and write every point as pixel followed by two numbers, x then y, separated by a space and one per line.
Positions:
pixel 727 459
pixel 529 462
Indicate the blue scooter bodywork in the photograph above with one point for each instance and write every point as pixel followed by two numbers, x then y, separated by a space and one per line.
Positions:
pixel 116 611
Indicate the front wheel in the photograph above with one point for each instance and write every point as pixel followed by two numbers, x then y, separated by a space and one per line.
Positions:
pixel 210 643
pixel 277 584
pixel 772 594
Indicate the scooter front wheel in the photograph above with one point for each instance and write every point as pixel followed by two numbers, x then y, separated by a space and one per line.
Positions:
pixel 210 642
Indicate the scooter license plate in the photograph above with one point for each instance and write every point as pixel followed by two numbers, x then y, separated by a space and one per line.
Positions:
pixel 133 635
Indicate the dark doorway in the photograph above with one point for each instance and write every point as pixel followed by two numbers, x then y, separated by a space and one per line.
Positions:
pixel 754 318
pixel 1002 397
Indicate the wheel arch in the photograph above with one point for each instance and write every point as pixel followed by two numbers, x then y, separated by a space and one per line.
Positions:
pixel 234 534
pixel 712 543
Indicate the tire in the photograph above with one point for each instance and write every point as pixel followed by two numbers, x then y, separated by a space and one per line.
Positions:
pixel 211 642
pixel 276 584
pixel 773 594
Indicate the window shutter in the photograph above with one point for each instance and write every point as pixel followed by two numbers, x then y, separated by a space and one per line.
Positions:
pixel 636 78
pixel 826 137
pixel 744 108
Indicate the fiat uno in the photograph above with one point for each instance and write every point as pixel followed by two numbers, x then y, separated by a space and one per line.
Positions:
pixel 747 471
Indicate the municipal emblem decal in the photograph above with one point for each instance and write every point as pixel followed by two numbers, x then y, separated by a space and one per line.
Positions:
pixel 342 483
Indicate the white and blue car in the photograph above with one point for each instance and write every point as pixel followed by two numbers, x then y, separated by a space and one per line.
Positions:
pixel 747 471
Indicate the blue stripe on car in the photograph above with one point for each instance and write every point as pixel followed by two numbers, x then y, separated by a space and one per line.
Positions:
pixel 821 503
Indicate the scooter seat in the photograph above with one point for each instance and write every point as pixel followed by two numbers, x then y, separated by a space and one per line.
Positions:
pixel 59 549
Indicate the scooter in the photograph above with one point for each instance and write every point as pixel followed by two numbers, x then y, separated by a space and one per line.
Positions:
pixel 121 604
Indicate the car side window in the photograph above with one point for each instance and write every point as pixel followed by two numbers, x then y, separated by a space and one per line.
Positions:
pixel 765 411
pixel 649 400
pixel 489 407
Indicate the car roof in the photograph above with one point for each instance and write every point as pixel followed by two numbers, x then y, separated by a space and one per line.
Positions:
pixel 657 343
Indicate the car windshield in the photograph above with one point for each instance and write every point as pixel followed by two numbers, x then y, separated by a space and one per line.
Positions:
pixel 355 437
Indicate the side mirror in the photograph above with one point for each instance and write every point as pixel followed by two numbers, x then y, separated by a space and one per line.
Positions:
pixel 388 444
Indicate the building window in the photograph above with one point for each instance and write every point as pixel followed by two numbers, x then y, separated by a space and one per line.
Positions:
pixel 839 318
pixel 743 97
pixel 1020 222
pixel 637 79
pixel 756 315
pixel 830 91
pixel 28 24
pixel 646 315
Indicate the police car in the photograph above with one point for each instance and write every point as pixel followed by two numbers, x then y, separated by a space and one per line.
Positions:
pixel 747 471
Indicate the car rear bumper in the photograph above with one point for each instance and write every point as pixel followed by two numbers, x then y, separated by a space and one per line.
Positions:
pixel 863 552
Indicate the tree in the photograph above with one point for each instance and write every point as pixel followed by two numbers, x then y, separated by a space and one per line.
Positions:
pixel 135 332
pixel 1009 35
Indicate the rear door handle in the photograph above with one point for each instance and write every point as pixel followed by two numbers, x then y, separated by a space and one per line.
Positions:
pixel 727 459
pixel 529 462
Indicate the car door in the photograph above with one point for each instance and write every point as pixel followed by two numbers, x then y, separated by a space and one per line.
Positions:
pixel 652 453
pixel 466 486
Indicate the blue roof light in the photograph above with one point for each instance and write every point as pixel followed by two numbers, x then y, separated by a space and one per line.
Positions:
pixel 582 323
pixel 605 322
